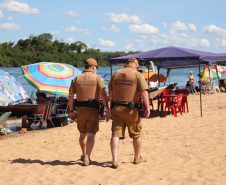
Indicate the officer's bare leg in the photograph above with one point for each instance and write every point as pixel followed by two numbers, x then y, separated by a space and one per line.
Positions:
pixel 137 146
pixel 82 142
pixel 114 148
pixel 89 145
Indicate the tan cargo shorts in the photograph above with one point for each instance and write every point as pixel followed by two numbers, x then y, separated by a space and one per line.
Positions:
pixel 123 117
pixel 88 120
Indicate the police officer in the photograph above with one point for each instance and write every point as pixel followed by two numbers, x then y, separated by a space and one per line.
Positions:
pixel 88 87
pixel 124 88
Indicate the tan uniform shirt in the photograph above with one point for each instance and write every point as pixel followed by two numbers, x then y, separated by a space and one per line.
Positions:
pixel 87 86
pixel 125 87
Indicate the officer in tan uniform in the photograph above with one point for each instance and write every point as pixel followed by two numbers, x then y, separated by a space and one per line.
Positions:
pixel 88 87
pixel 124 88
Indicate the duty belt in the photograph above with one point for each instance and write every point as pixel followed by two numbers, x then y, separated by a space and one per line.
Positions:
pixel 130 105
pixel 92 103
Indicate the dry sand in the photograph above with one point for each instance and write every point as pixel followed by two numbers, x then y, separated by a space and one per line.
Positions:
pixel 185 150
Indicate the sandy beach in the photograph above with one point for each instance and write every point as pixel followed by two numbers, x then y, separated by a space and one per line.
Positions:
pixel 189 149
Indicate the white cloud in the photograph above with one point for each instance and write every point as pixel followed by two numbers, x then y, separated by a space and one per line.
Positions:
pixel 1 14
pixel 71 40
pixel 143 36
pixel 221 43
pixel 72 14
pixel 10 18
pixel 204 43
pixel 54 32
pixel 184 35
pixel 164 25
pixel 106 43
pixel 15 6
pixel 78 22
pixel 124 18
pixel 74 29
pixel 216 30
pixel 145 29
pixel 192 27
pixel 9 26
pixel 113 28
pixel 130 47
pixel 178 26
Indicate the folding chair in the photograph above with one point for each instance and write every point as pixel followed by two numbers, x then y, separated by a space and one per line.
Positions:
pixel 45 116
pixel 3 118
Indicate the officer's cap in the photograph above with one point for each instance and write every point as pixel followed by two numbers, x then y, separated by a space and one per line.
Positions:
pixel 92 62
pixel 133 60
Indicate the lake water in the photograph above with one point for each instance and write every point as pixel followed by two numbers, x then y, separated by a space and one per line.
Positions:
pixel 179 76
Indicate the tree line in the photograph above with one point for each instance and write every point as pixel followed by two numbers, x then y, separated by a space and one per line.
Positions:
pixel 42 48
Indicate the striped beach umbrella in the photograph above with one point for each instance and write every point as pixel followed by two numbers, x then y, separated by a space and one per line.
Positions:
pixel 51 78
pixel 220 69
pixel 212 76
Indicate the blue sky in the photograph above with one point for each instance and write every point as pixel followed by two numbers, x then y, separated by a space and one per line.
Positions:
pixel 119 25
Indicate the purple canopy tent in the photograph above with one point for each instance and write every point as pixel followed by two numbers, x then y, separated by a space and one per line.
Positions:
pixel 176 57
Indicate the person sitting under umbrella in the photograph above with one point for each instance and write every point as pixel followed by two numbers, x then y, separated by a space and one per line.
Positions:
pixel 27 121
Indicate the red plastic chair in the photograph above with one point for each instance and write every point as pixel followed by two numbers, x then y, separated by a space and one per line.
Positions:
pixel 185 99
pixel 166 101
pixel 178 105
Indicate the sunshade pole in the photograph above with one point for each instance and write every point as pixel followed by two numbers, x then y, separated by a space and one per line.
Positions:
pixel 148 73
pixel 158 77
pixel 111 69
pixel 200 90
pixel 217 76
pixel 209 71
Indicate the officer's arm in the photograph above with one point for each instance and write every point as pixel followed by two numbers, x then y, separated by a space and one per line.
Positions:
pixel 104 98
pixel 71 105
pixel 144 95
pixel 71 101
pixel 110 97
pixel 105 102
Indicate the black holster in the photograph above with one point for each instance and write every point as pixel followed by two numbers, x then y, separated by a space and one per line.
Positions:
pixel 92 103
pixel 131 105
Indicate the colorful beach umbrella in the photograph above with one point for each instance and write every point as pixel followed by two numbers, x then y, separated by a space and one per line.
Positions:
pixel 51 78
pixel 213 74
pixel 221 69
pixel 153 76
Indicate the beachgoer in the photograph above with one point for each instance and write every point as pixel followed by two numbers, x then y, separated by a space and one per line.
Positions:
pixel 88 87
pixel 192 82
pixel 124 88
pixel 27 121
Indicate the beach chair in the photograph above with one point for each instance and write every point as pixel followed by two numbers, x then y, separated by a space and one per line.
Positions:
pixel 162 101
pixel 44 116
pixel 178 105
pixel 203 87
pixel 185 99
pixel 209 87
pixel 4 117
